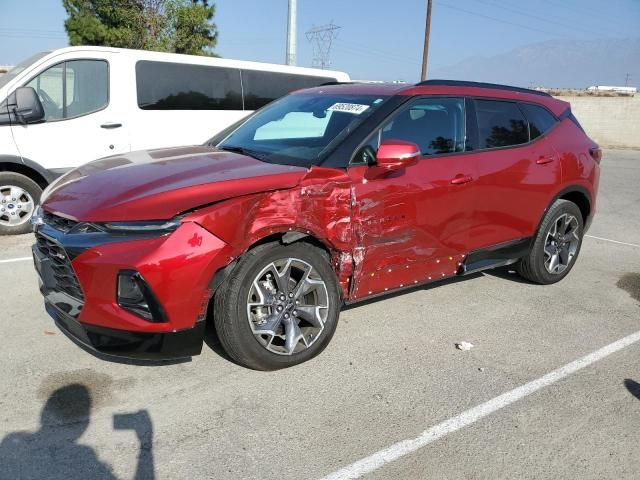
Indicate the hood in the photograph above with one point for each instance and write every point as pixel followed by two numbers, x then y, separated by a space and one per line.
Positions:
pixel 159 184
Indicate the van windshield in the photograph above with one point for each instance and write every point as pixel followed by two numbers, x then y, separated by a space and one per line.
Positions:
pixel 13 73
pixel 299 128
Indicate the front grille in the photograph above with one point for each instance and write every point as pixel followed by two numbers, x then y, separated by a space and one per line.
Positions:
pixel 59 223
pixel 66 280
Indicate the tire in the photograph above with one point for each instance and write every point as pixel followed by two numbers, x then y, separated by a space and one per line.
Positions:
pixel 14 218
pixel 538 266
pixel 245 309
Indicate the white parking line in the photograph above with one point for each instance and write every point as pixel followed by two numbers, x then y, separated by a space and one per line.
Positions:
pixel 19 259
pixel 400 449
pixel 613 241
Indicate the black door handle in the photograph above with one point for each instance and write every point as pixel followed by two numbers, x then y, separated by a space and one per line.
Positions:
pixel 109 125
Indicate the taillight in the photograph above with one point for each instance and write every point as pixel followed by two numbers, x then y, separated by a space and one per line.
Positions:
pixel 596 154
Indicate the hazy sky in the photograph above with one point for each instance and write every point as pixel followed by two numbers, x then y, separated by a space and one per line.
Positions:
pixel 379 39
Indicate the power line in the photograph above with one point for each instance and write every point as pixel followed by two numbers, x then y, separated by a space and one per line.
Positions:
pixel 591 11
pixel 495 19
pixel 360 53
pixel 538 17
pixel 375 50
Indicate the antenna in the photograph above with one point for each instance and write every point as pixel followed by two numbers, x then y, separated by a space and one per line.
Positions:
pixel 321 39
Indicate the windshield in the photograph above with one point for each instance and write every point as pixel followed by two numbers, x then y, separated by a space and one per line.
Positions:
pixel 300 128
pixel 11 74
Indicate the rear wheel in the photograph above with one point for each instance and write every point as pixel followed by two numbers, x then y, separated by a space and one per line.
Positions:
pixel 556 246
pixel 19 196
pixel 279 307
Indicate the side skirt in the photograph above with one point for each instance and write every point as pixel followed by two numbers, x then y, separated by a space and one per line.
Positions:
pixel 496 256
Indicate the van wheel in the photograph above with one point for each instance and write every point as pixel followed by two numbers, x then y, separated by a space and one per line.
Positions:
pixel 19 196
pixel 279 307
pixel 557 245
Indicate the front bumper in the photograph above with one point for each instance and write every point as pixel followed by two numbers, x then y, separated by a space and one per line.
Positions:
pixel 78 274
pixel 119 345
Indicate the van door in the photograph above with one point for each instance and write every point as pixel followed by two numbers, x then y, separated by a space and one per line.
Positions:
pixel 82 121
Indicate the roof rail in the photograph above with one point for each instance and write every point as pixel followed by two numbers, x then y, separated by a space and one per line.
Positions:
pixel 463 83
pixel 336 83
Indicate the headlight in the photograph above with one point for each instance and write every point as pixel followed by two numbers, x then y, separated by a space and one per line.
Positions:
pixel 159 226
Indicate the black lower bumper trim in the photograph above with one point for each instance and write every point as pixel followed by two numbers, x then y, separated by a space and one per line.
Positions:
pixel 130 347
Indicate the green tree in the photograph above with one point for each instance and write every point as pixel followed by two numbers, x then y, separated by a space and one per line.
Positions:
pixel 181 26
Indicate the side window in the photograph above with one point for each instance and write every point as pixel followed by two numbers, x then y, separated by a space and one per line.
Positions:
pixel 49 87
pixel 294 125
pixel 540 120
pixel 86 87
pixel 436 125
pixel 261 87
pixel 178 86
pixel 72 89
pixel 500 124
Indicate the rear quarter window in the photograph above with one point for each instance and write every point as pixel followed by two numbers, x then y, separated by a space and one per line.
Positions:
pixel 539 118
pixel 500 124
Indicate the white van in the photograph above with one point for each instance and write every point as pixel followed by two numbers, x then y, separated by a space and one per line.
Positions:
pixel 83 103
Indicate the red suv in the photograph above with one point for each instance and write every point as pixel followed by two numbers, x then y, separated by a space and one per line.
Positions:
pixel 333 194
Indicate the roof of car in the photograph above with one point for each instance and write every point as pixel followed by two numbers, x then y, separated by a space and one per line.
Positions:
pixel 444 87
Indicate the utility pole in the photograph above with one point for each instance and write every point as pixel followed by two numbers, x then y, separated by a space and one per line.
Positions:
pixel 626 79
pixel 321 38
pixel 291 32
pixel 425 51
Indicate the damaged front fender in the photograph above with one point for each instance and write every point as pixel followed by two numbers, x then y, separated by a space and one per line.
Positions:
pixel 319 207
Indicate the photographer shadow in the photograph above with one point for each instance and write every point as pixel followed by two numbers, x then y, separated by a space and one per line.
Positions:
pixel 53 452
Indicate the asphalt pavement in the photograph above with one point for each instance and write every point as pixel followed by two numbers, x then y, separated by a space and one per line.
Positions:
pixel 390 374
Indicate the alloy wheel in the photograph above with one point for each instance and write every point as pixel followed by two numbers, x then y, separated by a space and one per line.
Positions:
pixel 561 243
pixel 287 306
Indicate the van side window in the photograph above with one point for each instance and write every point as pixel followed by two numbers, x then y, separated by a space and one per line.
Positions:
pixel 180 86
pixel 500 124
pixel 262 87
pixel 436 125
pixel 540 120
pixel 72 89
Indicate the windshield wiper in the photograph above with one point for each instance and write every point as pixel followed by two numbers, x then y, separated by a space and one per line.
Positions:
pixel 244 151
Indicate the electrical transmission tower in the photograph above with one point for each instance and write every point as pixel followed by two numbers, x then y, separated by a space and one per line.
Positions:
pixel 321 39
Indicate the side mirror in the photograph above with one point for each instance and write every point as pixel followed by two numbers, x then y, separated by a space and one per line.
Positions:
pixel 25 105
pixel 397 154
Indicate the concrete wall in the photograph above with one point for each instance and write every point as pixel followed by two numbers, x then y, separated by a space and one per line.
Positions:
pixel 610 121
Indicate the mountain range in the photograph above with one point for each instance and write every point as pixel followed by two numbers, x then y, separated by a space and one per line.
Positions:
pixel 555 63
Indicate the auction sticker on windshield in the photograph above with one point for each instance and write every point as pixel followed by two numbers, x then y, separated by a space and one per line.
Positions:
pixel 354 108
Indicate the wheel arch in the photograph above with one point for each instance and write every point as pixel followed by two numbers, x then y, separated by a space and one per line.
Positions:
pixel 28 168
pixel 575 194
pixel 340 261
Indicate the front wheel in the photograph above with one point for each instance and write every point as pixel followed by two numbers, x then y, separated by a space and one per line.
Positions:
pixel 279 307
pixel 556 246
pixel 19 196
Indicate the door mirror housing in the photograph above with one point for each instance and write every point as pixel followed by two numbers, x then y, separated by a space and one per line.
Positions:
pixel 397 154
pixel 25 106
